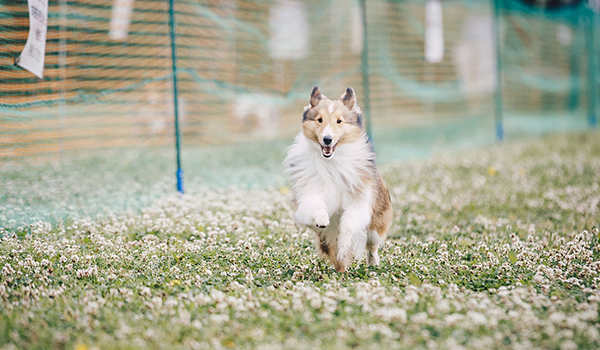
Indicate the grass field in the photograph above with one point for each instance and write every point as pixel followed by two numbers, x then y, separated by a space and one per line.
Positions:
pixel 494 248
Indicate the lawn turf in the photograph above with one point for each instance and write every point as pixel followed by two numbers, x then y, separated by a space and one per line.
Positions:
pixel 492 248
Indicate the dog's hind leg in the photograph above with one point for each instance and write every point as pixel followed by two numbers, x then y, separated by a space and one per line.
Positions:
pixel 333 258
pixel 352 225
pixel 373 242
pixel 322 245
pixel 380 222
pixel 328 250
pixel 326 241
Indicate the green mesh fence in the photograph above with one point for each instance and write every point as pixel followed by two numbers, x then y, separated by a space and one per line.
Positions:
pixel 97 132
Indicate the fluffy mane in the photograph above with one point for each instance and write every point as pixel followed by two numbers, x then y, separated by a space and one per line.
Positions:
pixel 345 171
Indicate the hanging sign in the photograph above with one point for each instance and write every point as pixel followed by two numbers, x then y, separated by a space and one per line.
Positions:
pixel 120 19
pixel 289 29
pixel 434 32
pixel 34 53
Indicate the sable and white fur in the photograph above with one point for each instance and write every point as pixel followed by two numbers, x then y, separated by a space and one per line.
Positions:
pixel 336 187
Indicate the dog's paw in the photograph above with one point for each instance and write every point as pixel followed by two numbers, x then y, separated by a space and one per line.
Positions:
pixel 321 219
pixel 340 267
pixel 373 258
pixel 344 257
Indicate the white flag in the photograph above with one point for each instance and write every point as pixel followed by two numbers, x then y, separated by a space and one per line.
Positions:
pixel 434 32
pixel 32 57
pixel 120 19
pixel 288 24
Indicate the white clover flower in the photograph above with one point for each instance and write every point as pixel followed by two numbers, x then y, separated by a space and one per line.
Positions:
pixel 477 318
pixel 315 301
pixel 538 278
pixel 184 317
pixel 91 308
pixel 443 306
pixel 197 324
pixel 391 314
pixel 150 334
pixel 145 291
pixel 7 270
pixel 157 301
pixel 419 318
pixel 592 333
pixel 453 319
pixel 568 345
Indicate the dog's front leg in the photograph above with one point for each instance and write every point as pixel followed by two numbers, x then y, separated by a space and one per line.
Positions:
pixel 312 211
pixel 353 222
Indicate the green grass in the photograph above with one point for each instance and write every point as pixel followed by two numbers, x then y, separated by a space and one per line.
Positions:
pixel 495 248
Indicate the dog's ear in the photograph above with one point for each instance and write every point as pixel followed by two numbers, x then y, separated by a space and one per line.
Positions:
pixel 315 96
pixel 349 98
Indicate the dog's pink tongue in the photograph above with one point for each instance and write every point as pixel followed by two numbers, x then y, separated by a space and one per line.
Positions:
pixel 327 149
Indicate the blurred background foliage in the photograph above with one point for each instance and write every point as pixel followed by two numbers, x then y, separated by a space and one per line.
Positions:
pixel 97 132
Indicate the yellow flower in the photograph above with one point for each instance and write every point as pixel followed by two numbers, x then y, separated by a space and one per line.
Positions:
pixel 175 282
pixel 284 190
pixel 492 170
pixel 81 347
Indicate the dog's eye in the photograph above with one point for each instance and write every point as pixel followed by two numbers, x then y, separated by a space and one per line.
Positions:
pixel 320 120
pixel 339 121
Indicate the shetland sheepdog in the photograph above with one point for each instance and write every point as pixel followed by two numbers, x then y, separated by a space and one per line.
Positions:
pixel 337 190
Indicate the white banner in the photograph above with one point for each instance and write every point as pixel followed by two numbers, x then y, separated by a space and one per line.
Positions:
pixel 120 19
pixel 434 32
pixel 32 57
pixel 288 24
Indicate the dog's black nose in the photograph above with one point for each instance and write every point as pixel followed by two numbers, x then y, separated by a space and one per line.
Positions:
pixel 327 140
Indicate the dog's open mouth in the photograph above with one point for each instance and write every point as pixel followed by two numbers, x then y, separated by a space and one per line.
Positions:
pixel 327 151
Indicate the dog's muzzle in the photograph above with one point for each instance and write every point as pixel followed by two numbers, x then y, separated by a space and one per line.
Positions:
pixel 327 150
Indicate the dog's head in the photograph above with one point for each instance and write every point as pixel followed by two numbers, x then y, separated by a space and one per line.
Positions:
pixel 332 123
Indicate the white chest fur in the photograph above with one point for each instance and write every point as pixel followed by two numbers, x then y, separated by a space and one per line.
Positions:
pixel 339 181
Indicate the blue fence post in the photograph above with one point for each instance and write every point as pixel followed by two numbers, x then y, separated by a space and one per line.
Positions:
pixel 179 173
pixel 591 70
pixel 364 65
pixel 498 93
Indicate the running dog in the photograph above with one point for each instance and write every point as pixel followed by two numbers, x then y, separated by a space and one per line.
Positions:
pixel 337 190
